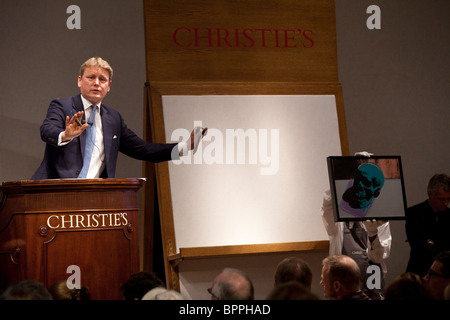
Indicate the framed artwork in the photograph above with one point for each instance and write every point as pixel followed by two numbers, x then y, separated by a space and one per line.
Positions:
pixel 365 188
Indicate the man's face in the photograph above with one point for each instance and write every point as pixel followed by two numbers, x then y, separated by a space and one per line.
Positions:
pixel 94 84
pixel 328 290
pixel 435 280
pixel 440 200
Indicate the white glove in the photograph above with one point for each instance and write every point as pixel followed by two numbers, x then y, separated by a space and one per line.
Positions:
pixel 364 154
pixel 372 226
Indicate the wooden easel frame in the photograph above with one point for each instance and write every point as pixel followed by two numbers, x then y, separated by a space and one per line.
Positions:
pixel 156 91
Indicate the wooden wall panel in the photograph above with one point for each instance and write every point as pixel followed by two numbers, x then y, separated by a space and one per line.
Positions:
pixel 252 40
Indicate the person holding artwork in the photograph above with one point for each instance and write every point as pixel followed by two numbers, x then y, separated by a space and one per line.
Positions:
pixel 367 242
pixel 83 136
pixel 428 225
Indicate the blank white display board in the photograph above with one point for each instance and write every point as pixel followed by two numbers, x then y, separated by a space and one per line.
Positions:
pixel 260 172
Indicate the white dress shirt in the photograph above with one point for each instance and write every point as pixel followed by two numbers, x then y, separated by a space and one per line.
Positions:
pixel 98 154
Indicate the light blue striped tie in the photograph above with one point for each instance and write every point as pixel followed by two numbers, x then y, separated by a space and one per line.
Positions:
pixel 90 139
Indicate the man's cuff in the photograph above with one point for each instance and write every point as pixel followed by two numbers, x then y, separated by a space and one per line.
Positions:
pixel 60 142
pixel 182 148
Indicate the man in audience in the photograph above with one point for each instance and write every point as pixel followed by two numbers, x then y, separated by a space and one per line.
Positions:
pixel 291 290
pixel 139 284
pixel 26 290
pixel 407 286
pixel 438 277
pixel 340 279
pixel 232 284
pixel 293 269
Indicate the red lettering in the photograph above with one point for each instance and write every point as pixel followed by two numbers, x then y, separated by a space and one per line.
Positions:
pixel 287 38
pixel 308 38
pixel 235 38
pixel 277 45
pixel 197 37
pixel 263 36
pixel 248 37
pixel 236 34
pixel 225 39
pixel 175 38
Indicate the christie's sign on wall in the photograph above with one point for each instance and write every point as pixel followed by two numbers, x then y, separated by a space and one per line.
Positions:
pixel 243 38
pixel 242 41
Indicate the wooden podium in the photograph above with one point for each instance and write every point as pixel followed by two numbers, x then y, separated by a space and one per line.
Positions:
pixel 48 225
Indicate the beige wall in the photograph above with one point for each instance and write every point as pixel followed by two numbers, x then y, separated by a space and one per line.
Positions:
pixel 40 59
pixel 395 82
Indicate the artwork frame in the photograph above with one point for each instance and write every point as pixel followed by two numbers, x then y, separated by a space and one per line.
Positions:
pixel 379 191
pixel 176 250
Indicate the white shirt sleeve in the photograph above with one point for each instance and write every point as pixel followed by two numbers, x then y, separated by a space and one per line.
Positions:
pixel 380 249
pixel 333 228
pixel 60 142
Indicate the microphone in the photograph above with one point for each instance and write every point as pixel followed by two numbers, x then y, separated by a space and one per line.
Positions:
pixel 80 123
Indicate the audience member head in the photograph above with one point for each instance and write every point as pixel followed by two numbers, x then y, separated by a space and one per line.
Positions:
pixel 162 294
pixel 407 286
pixel 60 291
pixel 26 290
pixel 340 276
pixel 232 284
pixel 139 284
pixel 438 277
pixel 439 192
pixel 293 269
pixel 291 290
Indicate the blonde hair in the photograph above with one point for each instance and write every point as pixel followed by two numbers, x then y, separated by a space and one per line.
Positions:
pixel 60 291
pixel 96 62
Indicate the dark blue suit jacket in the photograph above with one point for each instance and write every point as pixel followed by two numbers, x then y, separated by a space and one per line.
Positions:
pixel 67 161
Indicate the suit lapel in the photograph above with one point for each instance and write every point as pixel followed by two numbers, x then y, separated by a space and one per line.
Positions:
pixel 107 127
pixel 78 106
